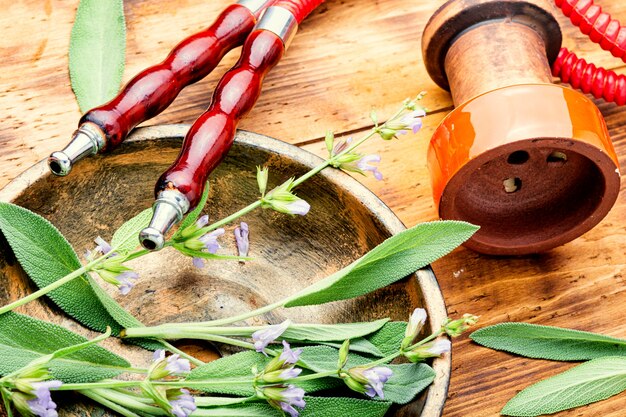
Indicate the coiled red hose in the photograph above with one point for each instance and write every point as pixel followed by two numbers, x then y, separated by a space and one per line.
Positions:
pixel 588 78
pixel 599 25
pixel 610 35
pixel 299 8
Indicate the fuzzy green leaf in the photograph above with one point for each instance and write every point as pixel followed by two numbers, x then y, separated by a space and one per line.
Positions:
pixel 546 342
pixel 330 332
pixel 592 381
pixel 46 256
pixel 358 345
pixel 389 337
pixel 315 407
pixel 392 260
pixel 408 380
pixel 24 339
pixel 195 213
pixel 97 51
pixel 235 375
pixel 126 238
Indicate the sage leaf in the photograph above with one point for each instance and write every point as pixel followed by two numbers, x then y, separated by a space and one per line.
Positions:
pixel 126 238
pixel 592 381
pixel 46 256
pixel 233 375
pixel 97 51
pixel 324 358
pixel 195 213
pixel 388 338
pixel 392 260
pixel 408 380
pixel 24 339
pixel 299 332
pixel 360 345
pixel 546 342
pixel 315 407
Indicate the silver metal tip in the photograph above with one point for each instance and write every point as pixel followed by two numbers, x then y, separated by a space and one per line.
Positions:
pixel 151 239
pixel 60 164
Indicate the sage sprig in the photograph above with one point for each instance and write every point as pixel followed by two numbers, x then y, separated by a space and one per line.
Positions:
pixel 603 376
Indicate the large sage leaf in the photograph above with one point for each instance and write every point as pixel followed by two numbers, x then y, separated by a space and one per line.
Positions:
pixel 408 380
pixel 546 342
pixel 24 339
pixel 97 51
pixel 46 256
pixel 592 381
pixel 330 332
pixel 315 407
pixel 126 238
pixel 392 260
pixel 389 337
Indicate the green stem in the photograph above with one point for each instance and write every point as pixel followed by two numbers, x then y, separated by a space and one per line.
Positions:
pixel 426 340
pixel 183 330
pixel 222 401
pixel 110 404
pixel 182 354
pixel 314 376
pixel 129 401
pixel 244 316
pixel 234 216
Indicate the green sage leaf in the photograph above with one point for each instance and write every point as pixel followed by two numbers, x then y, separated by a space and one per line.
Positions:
pixel 359 345
pixel 592 381
pixel 408 380
pixel 315 407
pixel 24 339
pixel 232 375
pixel 392 260
pixel 546 342
pixel 126 238
pixel 97 51
pixel 47 256
pixel 389 337
pixel 299 332
pixel 195 213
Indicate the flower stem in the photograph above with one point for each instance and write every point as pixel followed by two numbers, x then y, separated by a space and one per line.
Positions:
pixel 234 216
pixel 107 403
pixel 314 376
pixel 182 354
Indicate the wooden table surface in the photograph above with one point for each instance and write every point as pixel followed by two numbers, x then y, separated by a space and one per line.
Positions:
pixel 349 56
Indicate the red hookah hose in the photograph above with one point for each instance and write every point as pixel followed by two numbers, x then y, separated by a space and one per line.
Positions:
pixel 212 134
pixel 153 90
pixel 588 78
pixel 611 36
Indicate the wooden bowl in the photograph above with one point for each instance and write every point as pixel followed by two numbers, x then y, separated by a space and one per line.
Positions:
pixel 345 221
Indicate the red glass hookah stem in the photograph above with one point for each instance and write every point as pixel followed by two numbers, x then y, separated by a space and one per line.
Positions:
pixel 212 134
pixel 153 90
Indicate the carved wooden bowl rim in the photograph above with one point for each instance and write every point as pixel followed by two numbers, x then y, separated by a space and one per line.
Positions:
pixel 433 298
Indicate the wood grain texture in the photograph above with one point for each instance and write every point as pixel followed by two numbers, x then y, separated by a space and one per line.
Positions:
pixel 347 57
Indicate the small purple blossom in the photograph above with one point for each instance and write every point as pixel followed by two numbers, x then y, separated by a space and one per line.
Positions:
pixel 202 221
pixel 416 322
pixel 103 246
pixel 376 378
pixel 127 281
pixel 262 338
pixel 412 121
pixel 299 207
pixel 183 404
pixel 174 364
pixel 288 355
pixel 342 146
pixel 209 242
pixel 439 347
pixel 364 165
pixel 42 405
pixel 289 373
pixel 292 396
pixel 241 237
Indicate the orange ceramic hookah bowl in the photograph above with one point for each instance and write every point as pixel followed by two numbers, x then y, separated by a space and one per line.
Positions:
pixel 529 161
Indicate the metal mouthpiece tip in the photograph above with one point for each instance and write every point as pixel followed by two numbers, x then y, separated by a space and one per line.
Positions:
pixel 151 239
pixel 60 164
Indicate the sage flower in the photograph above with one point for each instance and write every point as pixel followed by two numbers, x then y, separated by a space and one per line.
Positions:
pixel 103 246
pixel 414 326
pixel 262 338
pixel 163 366
pixel 364 164
pixel 207 242
pixel 262 175
pixel 241 238
pixel 368 381
pixel 283 200
pixel 33 398
pixel 114 272
pixel 429 350
pixel 182 403
pixel 285 398
pixel 342 146
pixel 412 121
pixel 299 207
pixel 127 281
pixel 455 328
pixel 288 355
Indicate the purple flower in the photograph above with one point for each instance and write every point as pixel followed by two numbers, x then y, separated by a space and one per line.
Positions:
pixel 299 207
pixel 292 396
pixel 183 404
pixel 241 237
pixel 416 322
pixel 103 246
pixel 288 355
pixel 202 221
pixel 439 347
pixel 42 405
pixel 126 281
pixel 412 121
pixel 364 165
pixel 209 243
pixel 289 373
pixel 342 145
pixel 174 364
pixel 264 337
pixel 376 378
